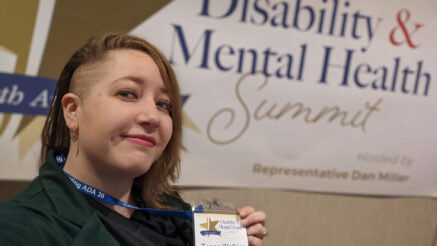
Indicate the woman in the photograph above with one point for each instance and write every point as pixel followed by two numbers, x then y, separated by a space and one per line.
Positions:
pixel 116 115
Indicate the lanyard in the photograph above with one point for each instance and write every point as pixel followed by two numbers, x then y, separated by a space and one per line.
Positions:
pixel 102 196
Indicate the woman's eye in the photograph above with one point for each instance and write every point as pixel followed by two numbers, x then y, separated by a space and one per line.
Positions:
pixel 127 94
pixel 164 105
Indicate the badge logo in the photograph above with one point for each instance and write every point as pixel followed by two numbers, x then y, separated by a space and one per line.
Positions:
pixel 210 227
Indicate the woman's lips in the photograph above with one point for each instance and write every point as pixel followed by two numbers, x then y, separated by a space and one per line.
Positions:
pixel 142 140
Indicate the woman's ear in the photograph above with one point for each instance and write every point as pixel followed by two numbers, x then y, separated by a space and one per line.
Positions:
pixel 71 105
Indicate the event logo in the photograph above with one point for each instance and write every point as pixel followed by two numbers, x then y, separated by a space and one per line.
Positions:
pixel 210 227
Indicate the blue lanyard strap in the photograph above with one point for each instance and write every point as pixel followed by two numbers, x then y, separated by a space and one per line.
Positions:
pixel 102 196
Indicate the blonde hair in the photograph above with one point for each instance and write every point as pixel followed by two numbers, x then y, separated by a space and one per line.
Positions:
pixel 155 185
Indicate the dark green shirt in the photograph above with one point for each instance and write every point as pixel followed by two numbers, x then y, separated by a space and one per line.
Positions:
pixel 51 211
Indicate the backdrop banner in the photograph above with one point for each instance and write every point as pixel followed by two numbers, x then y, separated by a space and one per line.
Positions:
pixel 313 95
pixel 24 97
pixel 332 96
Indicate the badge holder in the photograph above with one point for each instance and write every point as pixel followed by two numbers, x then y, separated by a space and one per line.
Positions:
pixel 217 224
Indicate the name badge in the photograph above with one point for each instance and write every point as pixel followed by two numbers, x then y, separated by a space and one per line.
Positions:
pixel 218 228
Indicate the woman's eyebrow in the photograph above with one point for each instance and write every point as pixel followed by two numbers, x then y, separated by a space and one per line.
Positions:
pixel 164 90
pixel 135 79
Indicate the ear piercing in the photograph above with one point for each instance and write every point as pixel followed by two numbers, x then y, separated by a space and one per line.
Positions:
pixel 74 134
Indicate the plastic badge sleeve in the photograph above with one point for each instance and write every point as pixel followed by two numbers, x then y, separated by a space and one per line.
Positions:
pixel 217 224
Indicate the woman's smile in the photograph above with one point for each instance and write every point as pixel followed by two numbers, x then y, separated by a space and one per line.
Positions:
pixel 142 140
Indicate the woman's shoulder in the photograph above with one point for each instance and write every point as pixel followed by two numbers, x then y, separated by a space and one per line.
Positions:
pixel 24 218
pixel 28 218
pixel 16 225
pixel 27 223
pixel 34 197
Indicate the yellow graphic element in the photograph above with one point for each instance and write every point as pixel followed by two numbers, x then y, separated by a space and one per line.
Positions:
pixel 30 134
pixel 187 122
pixel 210 225
pixel 26 120
pixel 5 50
pixel 5 121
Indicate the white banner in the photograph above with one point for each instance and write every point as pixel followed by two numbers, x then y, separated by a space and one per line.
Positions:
pixel 332 96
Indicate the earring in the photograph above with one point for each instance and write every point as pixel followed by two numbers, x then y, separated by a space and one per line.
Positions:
pixel 74 134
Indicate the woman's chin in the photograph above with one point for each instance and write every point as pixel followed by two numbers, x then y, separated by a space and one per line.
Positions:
pixel 135 168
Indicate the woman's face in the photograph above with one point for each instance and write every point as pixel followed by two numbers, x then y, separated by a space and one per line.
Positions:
pixel 124 120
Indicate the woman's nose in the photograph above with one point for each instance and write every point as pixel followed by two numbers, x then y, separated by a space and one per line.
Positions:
pixel 148 115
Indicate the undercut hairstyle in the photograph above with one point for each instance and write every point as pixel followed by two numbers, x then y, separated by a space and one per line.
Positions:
pixel 152 188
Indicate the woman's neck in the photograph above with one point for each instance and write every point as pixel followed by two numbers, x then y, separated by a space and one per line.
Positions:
pixel 101 178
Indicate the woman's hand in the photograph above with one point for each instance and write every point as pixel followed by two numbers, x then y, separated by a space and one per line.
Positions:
pixel 254 222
